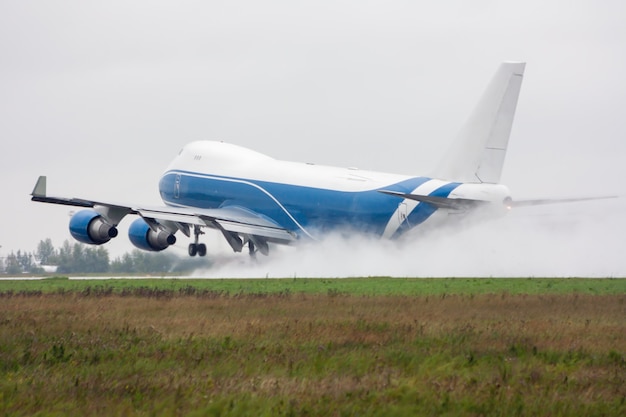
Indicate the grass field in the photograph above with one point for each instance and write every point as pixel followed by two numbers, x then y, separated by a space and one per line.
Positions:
pixel 313 347
pixel 354 286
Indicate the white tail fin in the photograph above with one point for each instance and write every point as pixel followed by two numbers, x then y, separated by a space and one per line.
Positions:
pixel 478 153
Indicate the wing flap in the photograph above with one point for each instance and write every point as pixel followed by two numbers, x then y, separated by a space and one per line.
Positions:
pixel 273 234
pixel 231 219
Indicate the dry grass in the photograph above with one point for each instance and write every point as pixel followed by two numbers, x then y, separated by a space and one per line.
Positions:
pixel 305 354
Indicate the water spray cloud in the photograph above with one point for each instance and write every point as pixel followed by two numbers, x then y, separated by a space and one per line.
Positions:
pixel 582 239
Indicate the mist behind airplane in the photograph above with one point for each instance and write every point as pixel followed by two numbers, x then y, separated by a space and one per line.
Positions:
pixel 255 200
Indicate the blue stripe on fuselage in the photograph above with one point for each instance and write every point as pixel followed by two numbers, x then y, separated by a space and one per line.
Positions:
pixel 293 207
pixel 423 211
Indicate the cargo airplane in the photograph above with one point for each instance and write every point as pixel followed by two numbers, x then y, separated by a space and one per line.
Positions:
pixel 255 200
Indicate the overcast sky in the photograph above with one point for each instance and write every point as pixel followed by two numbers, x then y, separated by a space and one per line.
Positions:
pixel 100 96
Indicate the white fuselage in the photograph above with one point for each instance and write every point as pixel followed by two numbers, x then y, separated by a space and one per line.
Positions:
pixel 307 198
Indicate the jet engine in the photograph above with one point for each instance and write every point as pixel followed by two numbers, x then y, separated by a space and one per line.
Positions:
pixel 144 237
pixel 88 226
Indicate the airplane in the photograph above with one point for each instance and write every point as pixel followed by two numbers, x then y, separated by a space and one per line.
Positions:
pixel 255 200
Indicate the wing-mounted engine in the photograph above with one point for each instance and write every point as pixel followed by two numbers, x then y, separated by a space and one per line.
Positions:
pixel 150 237
pixel 88 226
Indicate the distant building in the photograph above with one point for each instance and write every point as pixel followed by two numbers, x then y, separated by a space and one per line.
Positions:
pixel 50 269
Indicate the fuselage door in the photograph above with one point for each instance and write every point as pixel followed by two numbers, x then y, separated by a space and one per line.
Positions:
pixel 402 212
pixel 177 186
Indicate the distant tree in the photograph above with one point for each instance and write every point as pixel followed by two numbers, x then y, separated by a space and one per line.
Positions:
pixel 25 260
pixel 124 263
pixel 144 262
pixel 45 252
pixel 95 259
pixel 12 265
pixel 79 258
pixel 64 258
pixel 139 261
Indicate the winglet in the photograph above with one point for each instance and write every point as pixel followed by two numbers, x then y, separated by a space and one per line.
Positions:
pixel 40 187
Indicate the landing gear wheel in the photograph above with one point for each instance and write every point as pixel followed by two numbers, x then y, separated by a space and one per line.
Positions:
pixel 197 248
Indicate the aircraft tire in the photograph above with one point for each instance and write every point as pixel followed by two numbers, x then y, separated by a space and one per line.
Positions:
pixel 201 249
pixel 193 249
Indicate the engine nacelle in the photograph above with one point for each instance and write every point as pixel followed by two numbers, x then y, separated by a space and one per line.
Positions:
pixel 88 226
pixel 143 237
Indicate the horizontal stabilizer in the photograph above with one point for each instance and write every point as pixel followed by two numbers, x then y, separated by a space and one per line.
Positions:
pixel 439 202
pixel 540 202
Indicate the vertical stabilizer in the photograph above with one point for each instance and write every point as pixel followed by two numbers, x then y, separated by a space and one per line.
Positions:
pixel 478 153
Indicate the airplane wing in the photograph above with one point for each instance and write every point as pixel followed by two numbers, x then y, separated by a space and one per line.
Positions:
pixel 231 221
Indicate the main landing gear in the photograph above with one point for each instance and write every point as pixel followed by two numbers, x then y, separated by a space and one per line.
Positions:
pixel 255 243
pixel 197 248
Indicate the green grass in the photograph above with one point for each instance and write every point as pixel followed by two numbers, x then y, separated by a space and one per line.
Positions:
pixel 370 347
pixel 354 286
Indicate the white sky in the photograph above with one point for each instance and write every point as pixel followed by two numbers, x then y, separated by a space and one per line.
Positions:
pixel 100 96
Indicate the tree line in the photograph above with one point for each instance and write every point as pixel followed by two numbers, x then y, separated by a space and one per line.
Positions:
pixel 80 258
